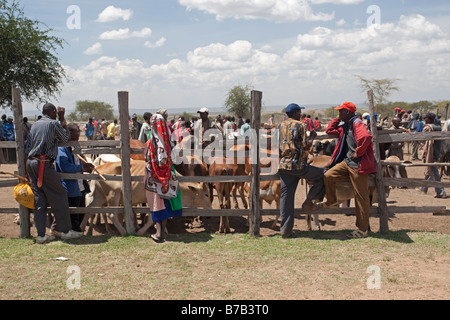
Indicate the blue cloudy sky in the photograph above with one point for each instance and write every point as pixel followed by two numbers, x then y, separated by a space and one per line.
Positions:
pixel 189 53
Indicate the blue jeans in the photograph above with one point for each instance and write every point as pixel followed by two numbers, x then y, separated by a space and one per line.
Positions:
pixel 289 181
pixel 435 176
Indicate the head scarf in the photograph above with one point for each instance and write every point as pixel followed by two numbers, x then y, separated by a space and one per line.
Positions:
pixel 158 149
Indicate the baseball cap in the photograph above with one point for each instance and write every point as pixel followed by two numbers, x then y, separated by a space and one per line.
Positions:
pixel 203 110
pixel 293 107
pixel 9 118
pixel 348 106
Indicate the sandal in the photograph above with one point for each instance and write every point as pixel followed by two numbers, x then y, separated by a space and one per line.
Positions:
pixel 358 234
pixel 157 239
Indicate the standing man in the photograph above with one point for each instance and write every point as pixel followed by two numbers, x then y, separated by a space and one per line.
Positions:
pixel 352 158
pixel 143 135
pixel 104 129
pixel 294 166
pixel 135 127
pixel 112 131
pixel 201 126
pixel 76 189
pixel 89 129
pixel 431 154
pixel 42 149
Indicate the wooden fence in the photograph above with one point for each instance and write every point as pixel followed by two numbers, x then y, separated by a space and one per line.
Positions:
pixel 254 212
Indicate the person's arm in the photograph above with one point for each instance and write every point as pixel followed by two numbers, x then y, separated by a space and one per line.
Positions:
pixel 64 162
pixel 333 127
pixel 363 140
pixel 61 131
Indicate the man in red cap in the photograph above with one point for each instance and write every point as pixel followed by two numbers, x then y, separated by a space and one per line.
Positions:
pixel 352 158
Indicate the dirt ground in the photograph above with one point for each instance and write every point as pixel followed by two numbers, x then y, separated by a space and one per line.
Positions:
pixel 397 197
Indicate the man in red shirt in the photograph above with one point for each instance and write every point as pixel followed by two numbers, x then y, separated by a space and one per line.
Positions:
pixel 317 124
pixel 353 158
pixel 308 122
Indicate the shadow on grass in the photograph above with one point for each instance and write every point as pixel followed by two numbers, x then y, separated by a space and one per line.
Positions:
pixel 90 240
pixel 396 236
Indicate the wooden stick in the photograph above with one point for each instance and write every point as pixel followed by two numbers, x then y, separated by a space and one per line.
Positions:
pixel 81 158
pixel 15 175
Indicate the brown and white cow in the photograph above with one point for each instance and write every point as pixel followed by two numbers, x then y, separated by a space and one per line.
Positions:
pixel 269 192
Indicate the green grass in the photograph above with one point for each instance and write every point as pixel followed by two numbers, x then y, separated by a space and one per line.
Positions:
pixel 211 266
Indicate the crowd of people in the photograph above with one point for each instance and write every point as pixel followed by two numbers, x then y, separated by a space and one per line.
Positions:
pixel 353 159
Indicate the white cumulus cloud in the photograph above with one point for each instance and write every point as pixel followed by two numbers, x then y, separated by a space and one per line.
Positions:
pixel 112 13
pixel 94 49
pixel 157 44
pixel 122 34
pixel 272 10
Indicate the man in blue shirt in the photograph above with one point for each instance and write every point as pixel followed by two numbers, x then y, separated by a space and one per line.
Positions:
pixel 76 189
pixel 245 128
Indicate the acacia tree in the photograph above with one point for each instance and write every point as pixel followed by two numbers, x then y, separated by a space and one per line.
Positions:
pixel 27 57
pixel 238 100
pixel 86 109
pixel 382 88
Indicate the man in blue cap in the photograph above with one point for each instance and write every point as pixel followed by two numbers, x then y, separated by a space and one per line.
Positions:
pixel 294 166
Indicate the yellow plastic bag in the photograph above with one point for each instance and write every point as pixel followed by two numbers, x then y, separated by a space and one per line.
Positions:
pixel 24 195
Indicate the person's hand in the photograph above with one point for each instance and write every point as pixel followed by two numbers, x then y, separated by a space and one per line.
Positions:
pixel 353 156
pixel 61 112
pixel 88 167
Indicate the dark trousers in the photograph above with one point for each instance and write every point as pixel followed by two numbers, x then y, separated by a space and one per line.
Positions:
pixel 76 219
pixel 51 192
pixel 289 181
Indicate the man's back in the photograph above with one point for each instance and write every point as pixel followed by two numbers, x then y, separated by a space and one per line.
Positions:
pixel 292 143
pixel 43 138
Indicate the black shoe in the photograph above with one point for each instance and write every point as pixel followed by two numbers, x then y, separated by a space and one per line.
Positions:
pixel 289 235
pixel 157 239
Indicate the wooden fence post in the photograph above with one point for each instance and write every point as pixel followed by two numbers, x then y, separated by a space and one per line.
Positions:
pixel 24 212
pixel 255 214
pixel 124 117
pixel 382 203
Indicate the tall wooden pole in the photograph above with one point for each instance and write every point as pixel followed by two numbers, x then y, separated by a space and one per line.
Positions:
pixel 24 212
pixel 124 117
pixel 382 203
pixel 255 214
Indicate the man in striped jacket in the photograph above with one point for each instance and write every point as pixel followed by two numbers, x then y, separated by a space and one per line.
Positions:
pixel 41 149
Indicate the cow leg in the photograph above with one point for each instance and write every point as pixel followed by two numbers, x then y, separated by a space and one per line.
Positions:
pixel 91 224
pixel 308 222
pixel 235 186
pixel 146 226
pixel 274 224
pixel 224 225
pixel 227 220
pixel 242 193
pixel 107 227
pixel 85 221
pixel 117 221
pixel 316 222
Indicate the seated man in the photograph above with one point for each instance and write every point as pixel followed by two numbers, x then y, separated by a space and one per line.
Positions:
pixel 352 158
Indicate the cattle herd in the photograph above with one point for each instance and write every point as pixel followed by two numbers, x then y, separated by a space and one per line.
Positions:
pixel 201 195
